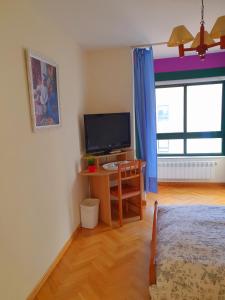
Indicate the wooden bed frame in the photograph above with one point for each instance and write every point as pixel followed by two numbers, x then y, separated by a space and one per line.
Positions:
pixel 152 267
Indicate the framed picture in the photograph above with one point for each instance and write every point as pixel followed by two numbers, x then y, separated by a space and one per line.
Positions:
pixel 44 91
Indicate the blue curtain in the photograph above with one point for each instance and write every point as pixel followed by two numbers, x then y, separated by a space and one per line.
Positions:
pixel 145 114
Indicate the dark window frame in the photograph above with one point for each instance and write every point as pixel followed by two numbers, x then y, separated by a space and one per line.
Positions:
pixel 187 135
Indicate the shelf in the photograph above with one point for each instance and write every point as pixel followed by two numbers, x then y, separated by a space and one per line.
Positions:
pixel 106 158
pixel 109 155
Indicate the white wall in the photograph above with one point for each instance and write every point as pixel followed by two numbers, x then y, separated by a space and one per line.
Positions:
pixel 39 186
pixel 109 81
pixel 109 87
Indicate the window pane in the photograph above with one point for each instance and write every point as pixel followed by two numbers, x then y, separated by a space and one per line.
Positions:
pixel 204 106
pixel 204 145
pixel 170 146
pixel 170 109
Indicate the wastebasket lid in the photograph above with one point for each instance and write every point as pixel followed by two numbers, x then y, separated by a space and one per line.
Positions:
pixel 90 202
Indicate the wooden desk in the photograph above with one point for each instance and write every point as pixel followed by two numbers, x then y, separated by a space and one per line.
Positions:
pixel 100 188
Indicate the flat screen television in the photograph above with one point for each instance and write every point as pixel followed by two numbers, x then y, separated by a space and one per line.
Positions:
pixel 106 132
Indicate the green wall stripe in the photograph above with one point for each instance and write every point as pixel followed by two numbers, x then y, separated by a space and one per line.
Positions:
pixel 189 74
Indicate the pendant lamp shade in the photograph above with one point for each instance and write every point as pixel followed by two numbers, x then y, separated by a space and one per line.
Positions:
pixel 218 28
pixel 203 40
pixel 180 35
pixel 207 40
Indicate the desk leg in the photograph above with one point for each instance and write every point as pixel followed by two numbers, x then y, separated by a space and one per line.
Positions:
pixel 100 188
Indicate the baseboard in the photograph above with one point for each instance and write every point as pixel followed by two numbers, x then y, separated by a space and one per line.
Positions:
pixel 44 278
pixel 190 183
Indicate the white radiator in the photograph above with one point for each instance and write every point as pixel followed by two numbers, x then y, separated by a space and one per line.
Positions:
pixel 200 170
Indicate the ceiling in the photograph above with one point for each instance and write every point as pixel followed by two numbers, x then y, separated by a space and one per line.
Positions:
pixel 116 23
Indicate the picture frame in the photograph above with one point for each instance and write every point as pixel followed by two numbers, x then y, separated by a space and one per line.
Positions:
pixel 43 91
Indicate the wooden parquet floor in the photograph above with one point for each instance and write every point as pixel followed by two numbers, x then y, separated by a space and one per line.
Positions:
pixel 113 264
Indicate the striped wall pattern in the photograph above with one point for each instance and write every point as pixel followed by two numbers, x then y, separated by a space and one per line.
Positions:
pixel 189 67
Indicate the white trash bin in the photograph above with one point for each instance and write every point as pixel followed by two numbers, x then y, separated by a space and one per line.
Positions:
pixel 89 212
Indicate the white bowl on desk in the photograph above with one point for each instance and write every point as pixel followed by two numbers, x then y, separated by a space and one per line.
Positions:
pixel 113 166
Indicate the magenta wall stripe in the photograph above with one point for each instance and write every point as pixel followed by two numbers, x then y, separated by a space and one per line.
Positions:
pixel 192 62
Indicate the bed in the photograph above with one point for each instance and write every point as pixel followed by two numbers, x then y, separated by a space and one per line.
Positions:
pixel 188 253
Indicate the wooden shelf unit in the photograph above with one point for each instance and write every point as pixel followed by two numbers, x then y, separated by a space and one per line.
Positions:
pixel 111 157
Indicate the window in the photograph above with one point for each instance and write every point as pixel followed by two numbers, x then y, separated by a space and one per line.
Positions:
pixel 190 119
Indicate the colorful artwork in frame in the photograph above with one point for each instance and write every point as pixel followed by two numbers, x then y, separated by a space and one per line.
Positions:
pixel 44 93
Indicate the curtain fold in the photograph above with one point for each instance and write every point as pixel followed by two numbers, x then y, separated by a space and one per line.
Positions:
pixel 145 114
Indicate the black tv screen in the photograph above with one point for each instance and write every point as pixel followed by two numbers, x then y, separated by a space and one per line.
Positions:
pixel 105 132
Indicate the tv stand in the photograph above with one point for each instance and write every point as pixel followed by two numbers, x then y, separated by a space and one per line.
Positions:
pixel 99 153
pixel 107 152
pixel 115 151
pixel 116 155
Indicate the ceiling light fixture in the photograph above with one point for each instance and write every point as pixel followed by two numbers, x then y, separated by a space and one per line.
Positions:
pixel 203 40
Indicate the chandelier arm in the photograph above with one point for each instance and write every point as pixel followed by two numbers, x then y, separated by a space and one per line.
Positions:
pixel 208 46
pixel 190 49
pixel 213 45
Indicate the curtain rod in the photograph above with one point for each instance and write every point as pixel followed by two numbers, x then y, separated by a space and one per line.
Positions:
pixel 149 45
